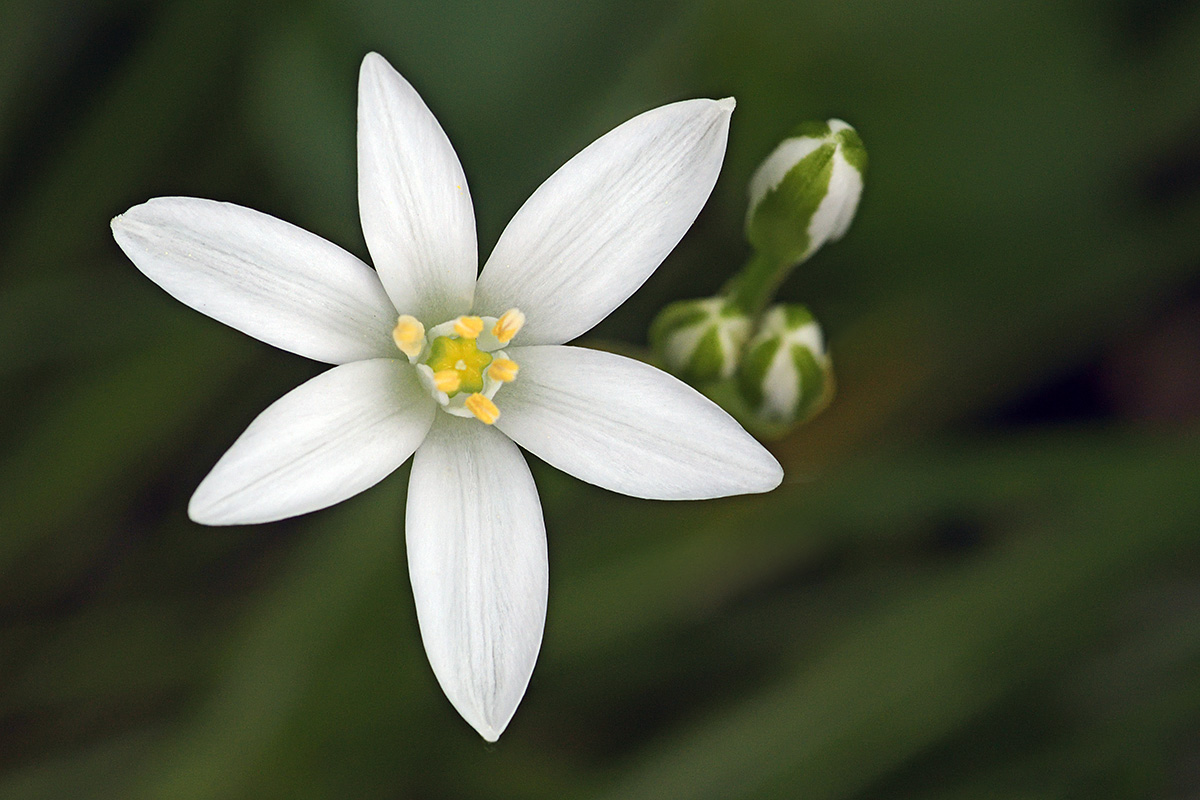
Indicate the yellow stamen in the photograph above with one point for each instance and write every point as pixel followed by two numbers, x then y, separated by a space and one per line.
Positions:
pixel 409 335
pixel 508 325
pixel 484 410
pixel 502 369
pixel 468 327
pixel 447 380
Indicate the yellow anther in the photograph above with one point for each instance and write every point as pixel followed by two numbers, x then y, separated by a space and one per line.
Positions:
pixel 468 327
pixel 508 325
pixel 484 410
pixel 409 335
pixel 447 380
pixel 502 369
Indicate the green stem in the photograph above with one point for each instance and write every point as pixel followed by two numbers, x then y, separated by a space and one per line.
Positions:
pixel 755 286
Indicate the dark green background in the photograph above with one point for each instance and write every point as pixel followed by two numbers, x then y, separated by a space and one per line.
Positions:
pixel 979 579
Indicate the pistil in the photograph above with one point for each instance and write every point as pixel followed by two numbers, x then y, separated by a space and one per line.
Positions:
pixel 462 361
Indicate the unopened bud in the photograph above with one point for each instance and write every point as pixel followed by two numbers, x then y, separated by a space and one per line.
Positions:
pixel 700 340
pixel 785 375
pixel 806 192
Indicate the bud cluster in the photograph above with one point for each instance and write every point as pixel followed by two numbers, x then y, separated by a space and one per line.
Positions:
pixel 782 373
pixel 803 195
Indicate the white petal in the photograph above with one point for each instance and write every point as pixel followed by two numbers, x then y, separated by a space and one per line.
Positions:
pixel 413 199
pixel 596 229
pixel 477 560
pixel 626 426
pixel 775 167
pixel 845 188
pixel 261 275
pixel 326 440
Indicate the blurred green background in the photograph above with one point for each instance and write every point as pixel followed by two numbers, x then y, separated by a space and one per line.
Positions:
pixel 980 579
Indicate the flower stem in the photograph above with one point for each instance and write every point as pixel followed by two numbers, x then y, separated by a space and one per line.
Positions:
pixel 755 286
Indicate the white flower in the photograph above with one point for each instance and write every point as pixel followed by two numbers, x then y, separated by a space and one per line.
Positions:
pixel 421 369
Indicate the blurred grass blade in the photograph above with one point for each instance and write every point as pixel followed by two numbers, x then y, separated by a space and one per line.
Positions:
pixel 284 642
pixel 913 673
pixel 670 565
pixel 1162 87
pixel 76 321
pixel 101 771
pixel 125 137
pixel 117 422
pixel 86 660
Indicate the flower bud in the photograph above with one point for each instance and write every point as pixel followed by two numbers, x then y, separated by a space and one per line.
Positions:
pixel 806 192
pixel 700 340
pixel 785 375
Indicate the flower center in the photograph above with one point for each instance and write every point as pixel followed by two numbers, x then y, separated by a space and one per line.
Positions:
pixel 457 365
pixel 461 361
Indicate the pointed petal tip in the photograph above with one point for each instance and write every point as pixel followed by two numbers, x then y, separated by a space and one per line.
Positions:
pixel 201 511
pixel 727 104
pixel 123 220
pixel 489 723
pixel 772 475
pixel 207 507
pixel 765 473
pixel 374 67
pixel 373 60
pixel 490 733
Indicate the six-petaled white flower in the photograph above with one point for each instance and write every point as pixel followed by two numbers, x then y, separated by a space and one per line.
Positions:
pixel 432 361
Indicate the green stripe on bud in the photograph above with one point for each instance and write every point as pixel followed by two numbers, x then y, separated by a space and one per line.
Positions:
pixel 700 340
pixel 806 192
pixel 786 375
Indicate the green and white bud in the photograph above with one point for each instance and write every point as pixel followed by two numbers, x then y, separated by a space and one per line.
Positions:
pixel 806 192
pixel 785 375
pixel 700 340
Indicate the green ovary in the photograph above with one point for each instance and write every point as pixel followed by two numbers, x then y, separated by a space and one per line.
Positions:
pixel 462 356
